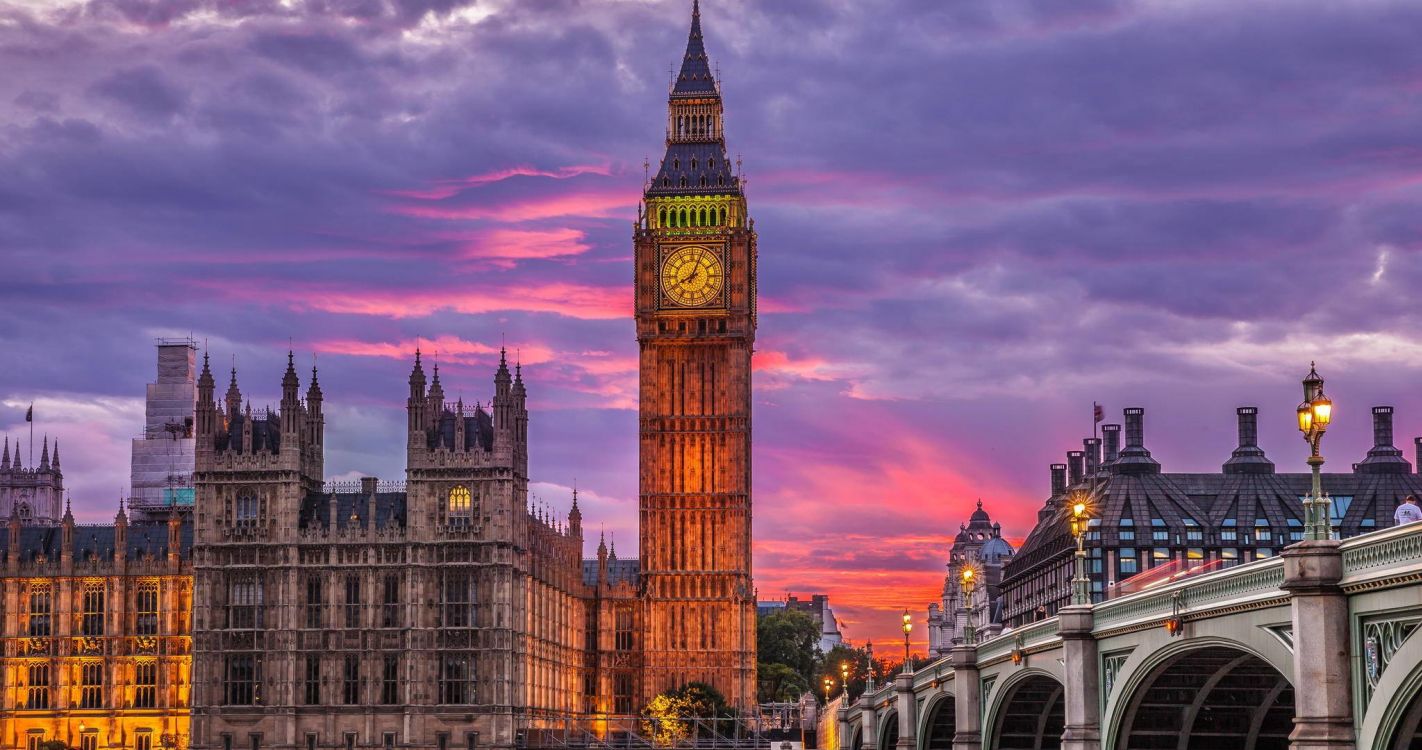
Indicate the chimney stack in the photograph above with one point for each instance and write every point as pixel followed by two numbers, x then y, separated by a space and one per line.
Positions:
pixel 1111 436
pixel 1418 442
pixel 1059 475
pixel 1248 457
pixel 1092 450
pixel 1076 461
pixel 1134 458
pixel 1384 458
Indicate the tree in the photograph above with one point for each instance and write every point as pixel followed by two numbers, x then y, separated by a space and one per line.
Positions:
pixel 674 716
pixel 857 659
pixel 780 683
pixel 789 637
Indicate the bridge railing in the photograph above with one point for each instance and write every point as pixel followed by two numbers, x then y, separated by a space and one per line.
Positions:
pixel 1372 558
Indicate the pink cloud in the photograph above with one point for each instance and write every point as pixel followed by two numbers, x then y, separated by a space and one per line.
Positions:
pixel 442 189
pixel 440 348
pixel 613 201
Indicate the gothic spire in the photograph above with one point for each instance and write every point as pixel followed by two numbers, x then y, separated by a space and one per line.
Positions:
pixel 5 462
pixel 695 78
pixel 55 463
pixel 234 394
pixel 44 455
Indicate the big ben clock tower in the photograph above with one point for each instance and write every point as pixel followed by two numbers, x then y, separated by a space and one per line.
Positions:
pixel 695 296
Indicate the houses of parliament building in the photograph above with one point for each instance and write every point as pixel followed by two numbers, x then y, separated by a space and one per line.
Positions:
pixel 290 613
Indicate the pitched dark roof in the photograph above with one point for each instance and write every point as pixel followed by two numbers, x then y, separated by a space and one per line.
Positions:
pixel 618 571
pixel 317 507
pixel 97 540
pixel 695 78
pixel 695 169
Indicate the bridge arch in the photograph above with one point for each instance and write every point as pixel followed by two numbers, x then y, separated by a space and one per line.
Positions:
pixel 1029 712
pixel 937 722
pixel 1395 723
pixel 888 730
pixel 856 738
pixel 1204 694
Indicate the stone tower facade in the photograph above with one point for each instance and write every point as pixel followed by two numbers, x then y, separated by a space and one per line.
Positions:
pixel 34 496
pixel 161 469
pixel 695 255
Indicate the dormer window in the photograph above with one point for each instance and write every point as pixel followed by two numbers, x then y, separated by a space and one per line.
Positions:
pixel 676 163
pixel 693 163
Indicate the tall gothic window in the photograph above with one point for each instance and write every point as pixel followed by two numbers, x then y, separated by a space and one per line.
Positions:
pixel 624 629
pixel 390 680
pixel 244 603
pixel 353 601
pixel 241 676
pixel 457 599
pixel 313 681
pixel 92 617
pixel 350 683
pixel 390 602
pixel 145 678
pixel 461 505
pixel 315 600
pixel 145 619
pixel 37 686
pixel 456 679
pixel 91 685
pixel 40 604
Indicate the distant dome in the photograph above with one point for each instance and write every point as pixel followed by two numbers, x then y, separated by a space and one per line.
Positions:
pixel 995 549
pixel 979 515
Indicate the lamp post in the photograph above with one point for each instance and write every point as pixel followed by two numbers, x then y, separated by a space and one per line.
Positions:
pixel 908 626
pixel 969 633
pixel 844 678
pixel 869 668
pixel 829 683
pixel 1315 413
pixel 1080 583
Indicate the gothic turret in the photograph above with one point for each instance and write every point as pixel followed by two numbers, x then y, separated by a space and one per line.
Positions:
pixel 290 399
pixel 234 396
pixel 5 462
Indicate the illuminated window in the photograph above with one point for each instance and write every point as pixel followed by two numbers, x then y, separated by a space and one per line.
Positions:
pixel 89 740
pixel 242 677
pixel 244 603
pixel 1262 532
pixel 461 505
pixel 350 683
pixel 145 621
pixel 352 601
pixel 457 599
pixel 1229 532
pixel 456 679
pixel 1127 563
pixel 92 620
pixel 622 693
pixel 33 739
pixel 145 678
pixel 91 686
pixel 37 686
pixel 313 681
pixel 40 603
pixel 143 740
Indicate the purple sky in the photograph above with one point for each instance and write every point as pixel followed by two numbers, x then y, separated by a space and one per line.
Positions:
pixel 975 219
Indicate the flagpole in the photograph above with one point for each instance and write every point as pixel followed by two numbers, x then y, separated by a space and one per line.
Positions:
pixel 30 417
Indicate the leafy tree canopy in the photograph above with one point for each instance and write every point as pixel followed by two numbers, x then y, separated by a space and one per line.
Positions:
pixel 789 637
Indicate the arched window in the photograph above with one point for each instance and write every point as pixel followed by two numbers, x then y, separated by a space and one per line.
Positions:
pixel 683 215
pixel 676 163
pixel 703 211
pixel 693 162
pixel 662 217
pixel 461 505
pixel 247 509
pixel 723 215
pixel 666 182
pixel 683 182
pixel 703 180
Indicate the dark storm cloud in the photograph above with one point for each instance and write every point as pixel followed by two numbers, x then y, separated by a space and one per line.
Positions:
pixel 975 219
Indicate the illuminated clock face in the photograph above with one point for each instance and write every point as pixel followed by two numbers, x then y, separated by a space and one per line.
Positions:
pixel 692 276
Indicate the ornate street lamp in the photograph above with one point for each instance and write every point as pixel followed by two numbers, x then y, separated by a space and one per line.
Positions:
pixel 969 580
pixel 869 668
pixel 908 626
pixel 1315 413
pixel 1080 583
pixel 844 677
pixel 829 683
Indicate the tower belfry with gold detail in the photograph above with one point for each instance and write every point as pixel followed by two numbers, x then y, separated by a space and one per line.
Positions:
pixel 695 261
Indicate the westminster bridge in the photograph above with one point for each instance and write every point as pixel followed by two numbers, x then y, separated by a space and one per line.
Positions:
pixel 1306 650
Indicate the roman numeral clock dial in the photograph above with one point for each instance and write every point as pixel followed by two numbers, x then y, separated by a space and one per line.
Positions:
pixel 692 276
